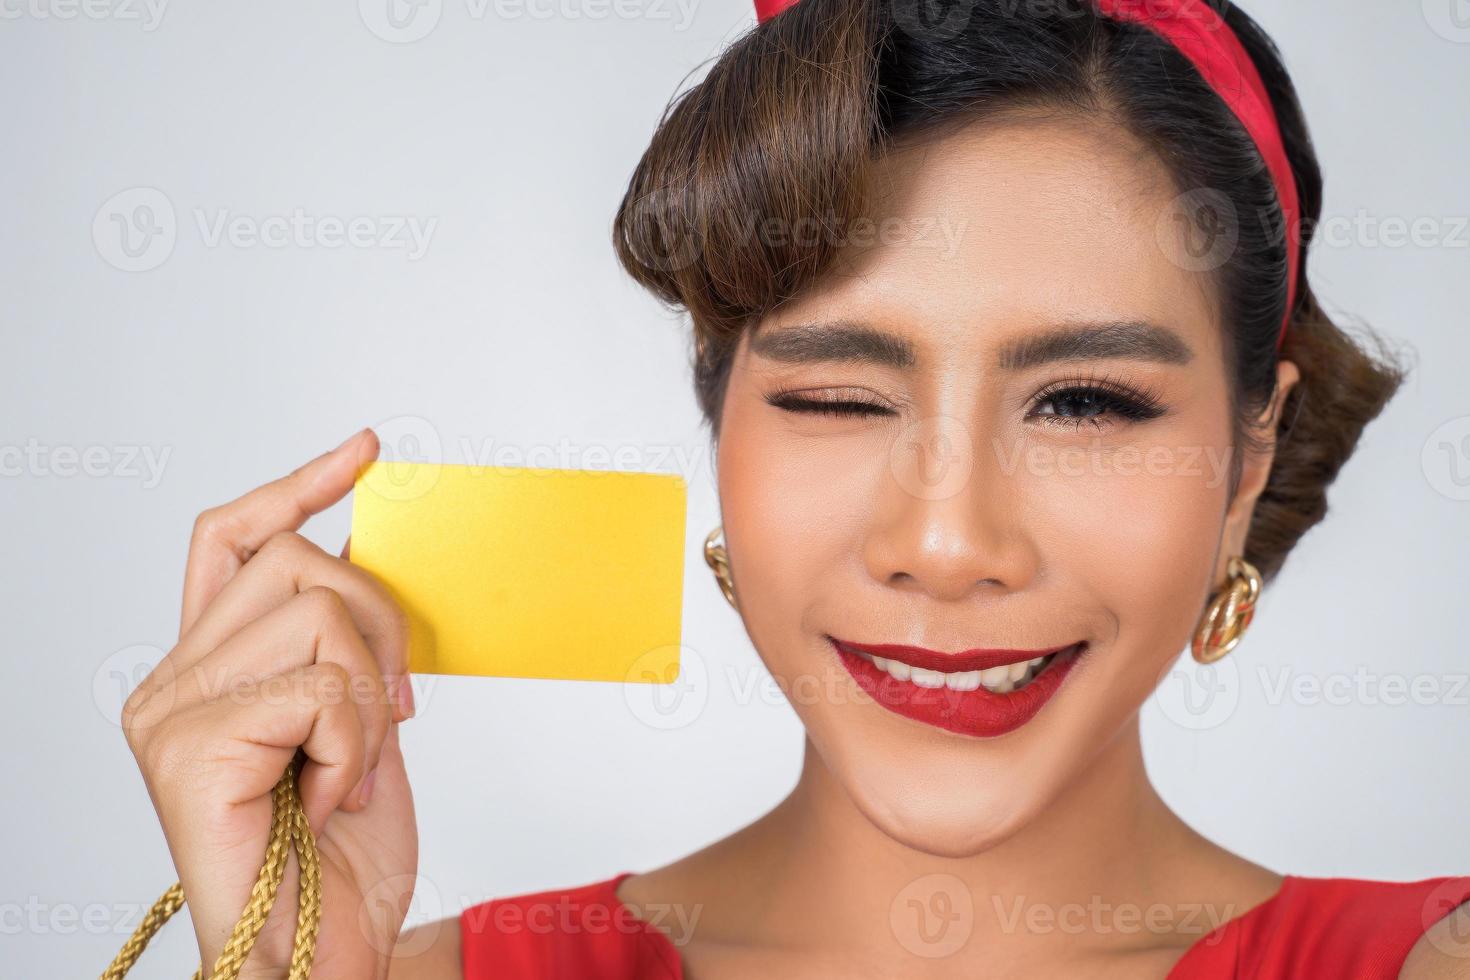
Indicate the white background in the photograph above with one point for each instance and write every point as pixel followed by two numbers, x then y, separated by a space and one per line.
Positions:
pixel 514 134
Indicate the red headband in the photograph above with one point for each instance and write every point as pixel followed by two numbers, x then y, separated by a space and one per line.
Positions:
pixel 1203 37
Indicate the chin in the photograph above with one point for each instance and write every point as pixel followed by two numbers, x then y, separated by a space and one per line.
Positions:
pixel 929 789
pixel 934 795
pixel 952 824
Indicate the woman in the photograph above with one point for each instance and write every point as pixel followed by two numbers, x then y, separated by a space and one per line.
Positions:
pixel 1019 387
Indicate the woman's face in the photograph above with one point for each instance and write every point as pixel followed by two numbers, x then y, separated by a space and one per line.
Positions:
pixel 1001 424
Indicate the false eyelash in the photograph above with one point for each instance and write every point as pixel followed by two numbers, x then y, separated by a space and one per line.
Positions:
pixel 1112 395
pixel 791 401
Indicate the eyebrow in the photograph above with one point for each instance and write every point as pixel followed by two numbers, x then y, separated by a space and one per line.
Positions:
pixel 846 341
pixel 836 341
pixel 1137 340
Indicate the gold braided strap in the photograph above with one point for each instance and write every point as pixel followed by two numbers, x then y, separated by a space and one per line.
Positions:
pixel 289 828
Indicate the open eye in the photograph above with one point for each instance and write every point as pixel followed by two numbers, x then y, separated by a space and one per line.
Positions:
pixel 1095 401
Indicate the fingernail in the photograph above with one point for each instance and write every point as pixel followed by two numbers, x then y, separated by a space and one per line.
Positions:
pixel 366 793
pixel 405 697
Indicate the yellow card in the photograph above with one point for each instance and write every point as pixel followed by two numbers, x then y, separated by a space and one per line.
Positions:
pixel 528 572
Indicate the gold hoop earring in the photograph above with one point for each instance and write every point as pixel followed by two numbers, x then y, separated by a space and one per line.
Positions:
pixel 718 560
pixel 1229 613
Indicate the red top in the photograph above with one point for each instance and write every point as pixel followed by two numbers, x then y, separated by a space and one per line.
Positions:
pixel 1344 928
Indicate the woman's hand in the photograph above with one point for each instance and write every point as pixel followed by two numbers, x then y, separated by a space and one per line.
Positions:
pixel 281 646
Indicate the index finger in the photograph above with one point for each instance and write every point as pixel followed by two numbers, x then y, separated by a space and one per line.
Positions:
pixel 226 536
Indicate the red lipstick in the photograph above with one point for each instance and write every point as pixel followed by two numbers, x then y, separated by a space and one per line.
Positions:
pixel 977 659
pixel 979 712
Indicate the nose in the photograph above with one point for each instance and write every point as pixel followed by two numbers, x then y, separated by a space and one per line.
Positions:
pixel 950 521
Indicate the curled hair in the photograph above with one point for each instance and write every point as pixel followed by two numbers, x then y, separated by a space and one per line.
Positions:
pixel 789 120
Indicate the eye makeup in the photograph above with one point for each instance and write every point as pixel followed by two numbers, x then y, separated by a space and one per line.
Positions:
pixel 1067 403
pixel 838 402
pixel 1096 400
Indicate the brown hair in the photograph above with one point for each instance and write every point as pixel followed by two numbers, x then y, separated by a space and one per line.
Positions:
pixel 755 175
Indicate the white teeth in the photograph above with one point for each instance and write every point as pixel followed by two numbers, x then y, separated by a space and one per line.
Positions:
pixel 997 680
pixel 994 677
pixel 927 678
pixel 965 680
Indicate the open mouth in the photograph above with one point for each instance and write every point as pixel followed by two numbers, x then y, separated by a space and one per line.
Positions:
pixel 994 693
pixel 997 680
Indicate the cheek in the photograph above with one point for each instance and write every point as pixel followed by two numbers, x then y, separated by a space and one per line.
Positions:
pixel 1133 530
pixel 795 508
pixel 794 519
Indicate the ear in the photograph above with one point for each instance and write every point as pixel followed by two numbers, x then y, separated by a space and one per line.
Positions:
pixel 1255 469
